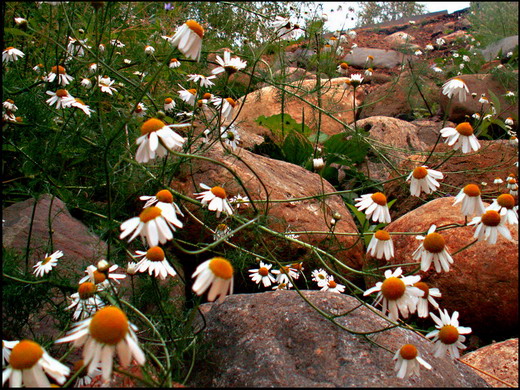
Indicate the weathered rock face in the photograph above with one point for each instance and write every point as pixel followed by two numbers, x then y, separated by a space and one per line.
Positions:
pixel 276 339
pixel 498 359
pixel 295 74
pixel 399 39
pixel 428 130
pixel 457 35
pixel 482 284
pixel 387 59
pixel 505 45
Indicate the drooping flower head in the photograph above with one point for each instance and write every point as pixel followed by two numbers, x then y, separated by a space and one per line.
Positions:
pixel 409 361
pixel 489 225
pixel 505 205
pixel 424 180
pixel 215 198
pixel 455 86
pixel 217 273
pixel 433 248
pixel 375 205
pixel 381 245
pixel 154 261
pixel 152 131
pixel 461 137
pixel 188 39
pixel 422 302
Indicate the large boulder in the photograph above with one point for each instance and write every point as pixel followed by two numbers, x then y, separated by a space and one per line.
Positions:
pixel 275 339
pixel 399 39
pixel 386 59
pixel 502 47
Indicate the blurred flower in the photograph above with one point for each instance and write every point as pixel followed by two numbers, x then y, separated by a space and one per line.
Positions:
pixel 483 100
pixel 332 286
pixel 149 49
pixel 174 63
pixel 188 95
pixel 169 104
pixel 7 346
pixel 455 86
pixel 228 64
pixel 86 83
pixel 11 54
pixel 188 39
pixel 343 68
pixel 230 136
pixel 75 47
pixel 116 43
pixel 440 41
pixel 418 53
pixel 369 72
pixel 470 199
pixel 424 179
pixel 433 248
pixel 509 121
pixel 355 80
pixel 105 83
pixel 239 201
pixel 429 47
pixel 9 105
pixel 320 276
pixel 318 163
pixel 63 77
pixel 510 93
pixel 375 205
pixel 61 98
pixel 140 110
pixel 352 34
pixel 448 335
pixel 461 137
pixel 204 81
pixel 20 21
pixel 466 58
pixel 381 245
pixel 408 361
pixel 225 106
pixel 283 274
pixel 154 261
pixel 38 68
pixel 78 103
pixel 85 302
pixel 101 276
pixel 157 137
pixel 215 198
pixel 217 273
pixel 221 231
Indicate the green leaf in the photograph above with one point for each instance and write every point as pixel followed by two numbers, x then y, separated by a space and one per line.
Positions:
pixel 355 148
pixel 321 139
pixel 296 148
pixel 360 216
pixel 495 100
pixel 274 123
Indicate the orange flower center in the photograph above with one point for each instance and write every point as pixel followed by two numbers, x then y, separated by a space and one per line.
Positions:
pixel 58 69
pixel 472 190
pixel 382 235
pixel 491 218
pixel 221 268
pixel 231 102
pixel 219 192
pixel 343 65
pixel 86 290
pixel 379 198
pixel 263 271
pixel 193 91
pixel 164 196
pixel 393 288
pixel 62 93
pixel 168 100
pixel 424 287
pixel 297 266
pixel 464 128
pixel 109 325
pixel 9 48
pixel 99 277
pixel 174 60
pixel 448 334
pixel 506 200
pixel 150 213
pixel 420 173
pixel 155 254
pixel 151 125
pixel 206 96
pixel 196 28
pixel 370 57
pixel 25 355
pixel 434 243
pixel 332 284
pixel 408 352
pixel 10 101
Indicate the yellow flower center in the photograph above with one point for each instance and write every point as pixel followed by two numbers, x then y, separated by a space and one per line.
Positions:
pixel 379 198
pixel 151 125
pixel 343 65
pixel 393 288
pixel 491 218
pixel 99 277
pixel 196 28
pixel 464 128
pixel 150 213
pixel 86 290
pixel 164 196
pixel 219 192
pixel 434 243
pixel 448 334
pixel 46 260
pixel 155 254
pixel 332 284
pixel 25 355
pixel 506 200
pixel 109 325
pixel 472 190
pixel 424 287
pixel 263 271
pixel 382 235
pixel 62 93
pixel 420 173
pixel 139 108
pixel 58 69
pixel 408 352
pixel 168 100
pixel 221 268
pixel 231 102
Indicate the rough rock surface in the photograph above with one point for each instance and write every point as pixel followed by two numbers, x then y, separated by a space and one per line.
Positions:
pixel 505 45
pixel 399 39
pixel 275 339
pixel 428 130
pixel 382 58
pixel 498 359
pixel 482 284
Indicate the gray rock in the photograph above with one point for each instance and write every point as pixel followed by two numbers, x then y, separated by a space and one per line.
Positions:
pixel 382 58
pixel 506 45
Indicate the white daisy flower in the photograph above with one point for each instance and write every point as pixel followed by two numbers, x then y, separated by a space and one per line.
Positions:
pixel 11 54
pixel 75 47
pixel 9 105
pixel 217 272
pixel 105 83
pixel 101 275
pixel 429 47
pixel 140 110
pixel 7 346
pixel 489 225
pixel 101 48
pixel 149 49
pixel 343 69
pixel 283 274
pixel 376 207
pixel 408 361
pixel 320 276
pixel 433 248
pixel 318 163
pixel 422 302
pixel 355 80
pixel 78 103
pixel 164 200
pixel 106 332
pixel 282 286
pixel 202 80
pixel 509 121
pixel 153 131
pixel 498 181
pixel 28 364
pixel 169 104
pixel 130 268
pixel 215 198
pixel 440 41
pixel 188 39
pixel 471 201
pixel 332 286
pixel 117 43
pixel 20 21
pixel 225 106
pixel 188 95
pixel 418 53
pixel 221 231
pixel 397 293
pixel 369 72
pixel 505 205
pixel 283 27
pixel 381 245
pixel 457 87
pixel 85 302
pixel 49 262
pixel 436 69
pixel 63 77
pixel 154 261
pixel 174 63
pixel 228 64
pixel 448 335
pixel 461 137
pixel 424 179
pixel 86 83
pixel 262 275
pixel 61 98
pixel 230 136
pixel 239 201
pixel 510 94
pixel 466 58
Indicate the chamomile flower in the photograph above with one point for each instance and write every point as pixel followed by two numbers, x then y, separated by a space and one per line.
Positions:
pixel 84 380
pixel 153 131
pixel 202 80
pixel 11 54
pixel 105 83
pixel 422 302
pixel 49 262
pixel 85 302
pixel 169 104
pixel 101 275
pixel 369 72
pixel 28 364
pixel 461 137
pixel 230 136
pixel 455 86
pixel 332 286
pixel 154 261
pixel 381 245
pixel 225 106
pixel 376 207
pixel 86 83
pixel 164 200
pixel 418 53
pixel 78 103
pixel 429 47
pixel 262 275
pixel 217 273
pixel 396 293
pixel 60 72
pixel 149 49
pixel 7 346
pixel 117 43
pixel 221 231
pixel 318 163
pixel 140 110
pixel 101 335
pixel 408 361
pixel 239 201
pixel 282 286
pixel 283 27
pixel 320 276
pixel 355 80
pixel 448 335
pixel 215 198
pixel 188 39
pixel 483 100
pixel 433 248
pixel 489 225
pixel 228 64
pixel 471 201
pixel 509 121
pixel 9 105
pixel 61 98
pixel 188 95
pixel 505 205
pixel 283 274
pixel 174 63
pixel 75 47
pixel 424 179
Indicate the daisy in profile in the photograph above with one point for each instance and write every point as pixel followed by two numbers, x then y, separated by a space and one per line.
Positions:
pixel 49 262
pixel 215 198
pixel 85 302
pixel 86 83
pixel 239 201
pixel 424 179
pixel 230 136
pixel 61 73
pixel 203 81
pixel 105 83
pixel 169 104
pixel 369 72
pixel 225 106
pixel 433 248
pixel 101 275
pixel 78 103
pixel 489 225
pixel 188 95
pixel 332 286
pixel 217 273
pixel 343 69
pixel 284 274
pixel 461 137
pixel 75 47
pixel 149 49
pixel 448 335
pixel 396 293
pixel 9 105
pixel 262 275
pixel 320 276
pixel 154 261
pixel 228 64
pixel 164 200
pixel 422 302
pixel 117 43
pixel 455 86
pixel 29 363
pixel 11 54
pixel 188 39
pixel 408 361
pixel 61 98
pixel 471 201
pixel 140 110
pixel 157 137
pixel 381 245
pixel 355 80
pixel 505 205
pixel 283 27
pixel 101 335
pixel 174 63
pixel 376 207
